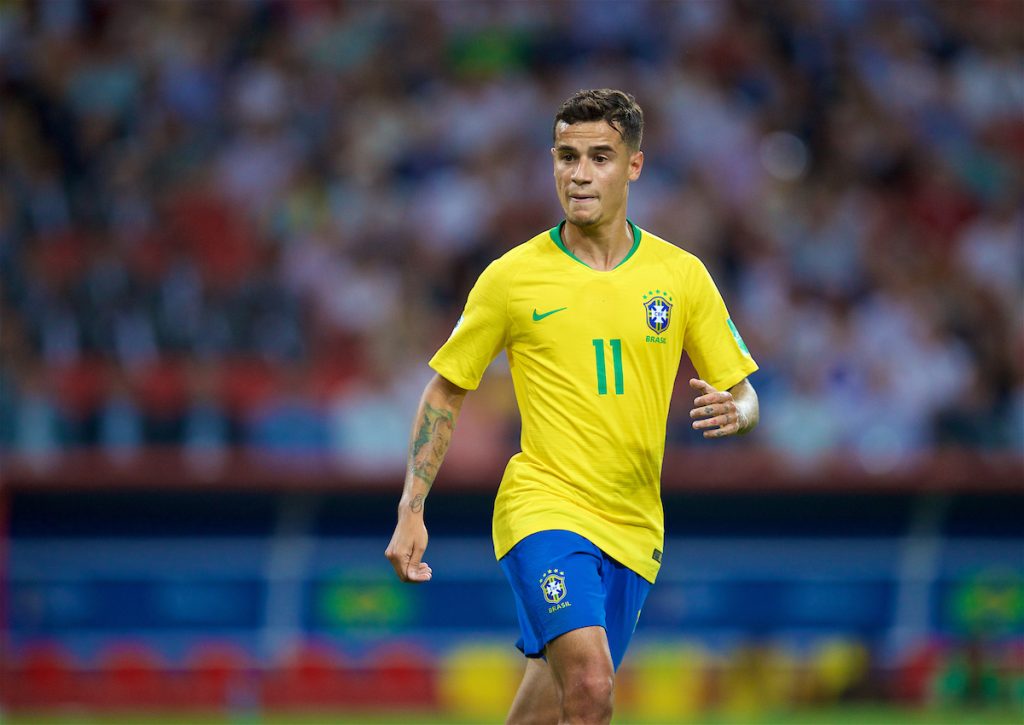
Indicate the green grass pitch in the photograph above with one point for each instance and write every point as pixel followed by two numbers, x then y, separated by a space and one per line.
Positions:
pixel 850 715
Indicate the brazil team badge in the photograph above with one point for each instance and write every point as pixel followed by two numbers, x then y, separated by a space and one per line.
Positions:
pixel 658 310
pixel 553 586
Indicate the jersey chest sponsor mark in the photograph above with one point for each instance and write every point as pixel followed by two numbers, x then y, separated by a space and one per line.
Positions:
pixel 537 317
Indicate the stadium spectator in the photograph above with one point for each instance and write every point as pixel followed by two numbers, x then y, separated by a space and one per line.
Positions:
pixel 289 182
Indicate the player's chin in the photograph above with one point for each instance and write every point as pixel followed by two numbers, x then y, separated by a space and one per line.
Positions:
pixel 587 219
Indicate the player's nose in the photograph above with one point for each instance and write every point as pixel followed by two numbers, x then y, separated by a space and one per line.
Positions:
pixel 581 172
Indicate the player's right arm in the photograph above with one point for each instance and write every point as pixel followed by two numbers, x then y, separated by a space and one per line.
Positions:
pixel 431 434
pixel 478 336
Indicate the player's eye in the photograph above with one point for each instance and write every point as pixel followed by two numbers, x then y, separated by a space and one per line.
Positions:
pixel 600 159
pixel 567 157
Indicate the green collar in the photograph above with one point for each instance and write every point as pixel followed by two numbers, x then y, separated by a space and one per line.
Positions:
pixel 556 237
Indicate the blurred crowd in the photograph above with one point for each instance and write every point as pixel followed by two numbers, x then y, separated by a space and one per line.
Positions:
pixel 249 224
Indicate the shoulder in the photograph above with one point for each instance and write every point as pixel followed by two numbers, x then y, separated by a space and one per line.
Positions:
pixel 496 281
pixel 524 253
pixel 671 254
pixel 520 257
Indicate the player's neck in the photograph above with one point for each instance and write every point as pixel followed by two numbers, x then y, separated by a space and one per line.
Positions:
pixel 602 248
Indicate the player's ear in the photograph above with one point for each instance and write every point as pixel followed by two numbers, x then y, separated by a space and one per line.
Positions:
pixel 636 165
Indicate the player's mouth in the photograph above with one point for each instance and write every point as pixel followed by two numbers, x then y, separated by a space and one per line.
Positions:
pixel 581 197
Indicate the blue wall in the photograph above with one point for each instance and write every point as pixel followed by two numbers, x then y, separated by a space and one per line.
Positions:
pixel 172 569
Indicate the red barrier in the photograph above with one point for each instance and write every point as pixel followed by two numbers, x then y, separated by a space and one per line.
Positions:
pixel 917 673
pixel 130 675
pixel 746 470
pixel 311 675
pixel 220 675
pixel 404 676
pixel 46 675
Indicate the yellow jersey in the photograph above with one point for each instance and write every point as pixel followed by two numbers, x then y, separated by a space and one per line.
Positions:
pixel 593 357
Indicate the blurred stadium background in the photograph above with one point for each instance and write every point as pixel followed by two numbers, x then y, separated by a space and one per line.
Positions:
pixel 232 233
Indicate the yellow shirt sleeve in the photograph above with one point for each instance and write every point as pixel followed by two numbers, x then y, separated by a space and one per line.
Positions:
pixel 712 341
pixel 480 334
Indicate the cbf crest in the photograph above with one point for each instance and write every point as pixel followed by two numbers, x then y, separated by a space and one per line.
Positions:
pixel 553 586
pixel 658 310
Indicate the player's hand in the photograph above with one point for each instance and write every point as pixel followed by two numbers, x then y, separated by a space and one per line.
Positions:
pixel 714 411
pixel 405 552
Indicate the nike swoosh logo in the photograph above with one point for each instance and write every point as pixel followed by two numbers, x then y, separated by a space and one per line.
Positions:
pixel 538 318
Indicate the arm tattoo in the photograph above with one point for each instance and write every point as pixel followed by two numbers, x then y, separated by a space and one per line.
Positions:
pixel 416 505
pixel 433 435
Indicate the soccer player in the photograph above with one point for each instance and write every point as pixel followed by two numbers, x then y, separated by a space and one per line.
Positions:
pixel 594 315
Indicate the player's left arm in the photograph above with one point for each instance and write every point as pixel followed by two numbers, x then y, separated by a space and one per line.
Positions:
pixel 721 413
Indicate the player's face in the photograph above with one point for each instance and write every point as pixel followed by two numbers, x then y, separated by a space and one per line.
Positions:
pixel 593 168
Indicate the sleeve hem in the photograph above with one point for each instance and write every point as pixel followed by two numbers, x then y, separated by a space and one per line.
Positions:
pixel 734 377
pixel 454 377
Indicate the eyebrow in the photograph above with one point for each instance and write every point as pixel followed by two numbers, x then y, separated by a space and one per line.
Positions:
pixel 603 148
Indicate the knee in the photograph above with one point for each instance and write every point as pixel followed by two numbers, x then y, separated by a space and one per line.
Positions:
pixel 598 687
pixel 590 697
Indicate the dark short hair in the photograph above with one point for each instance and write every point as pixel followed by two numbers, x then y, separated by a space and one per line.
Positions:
pixel 620 110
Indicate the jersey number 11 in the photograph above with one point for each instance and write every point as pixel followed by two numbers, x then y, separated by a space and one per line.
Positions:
pixel 602 376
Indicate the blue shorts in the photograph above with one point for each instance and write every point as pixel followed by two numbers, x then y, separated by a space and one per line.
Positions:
pixel 563 582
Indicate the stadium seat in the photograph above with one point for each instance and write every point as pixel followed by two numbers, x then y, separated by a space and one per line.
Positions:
pixel 215 236
pixel 247 384
pixel 161 388
pixel 60 257
pixel 79 387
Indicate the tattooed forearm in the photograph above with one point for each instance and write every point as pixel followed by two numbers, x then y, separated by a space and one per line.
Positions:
pixel 431 434
pixel 430 443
